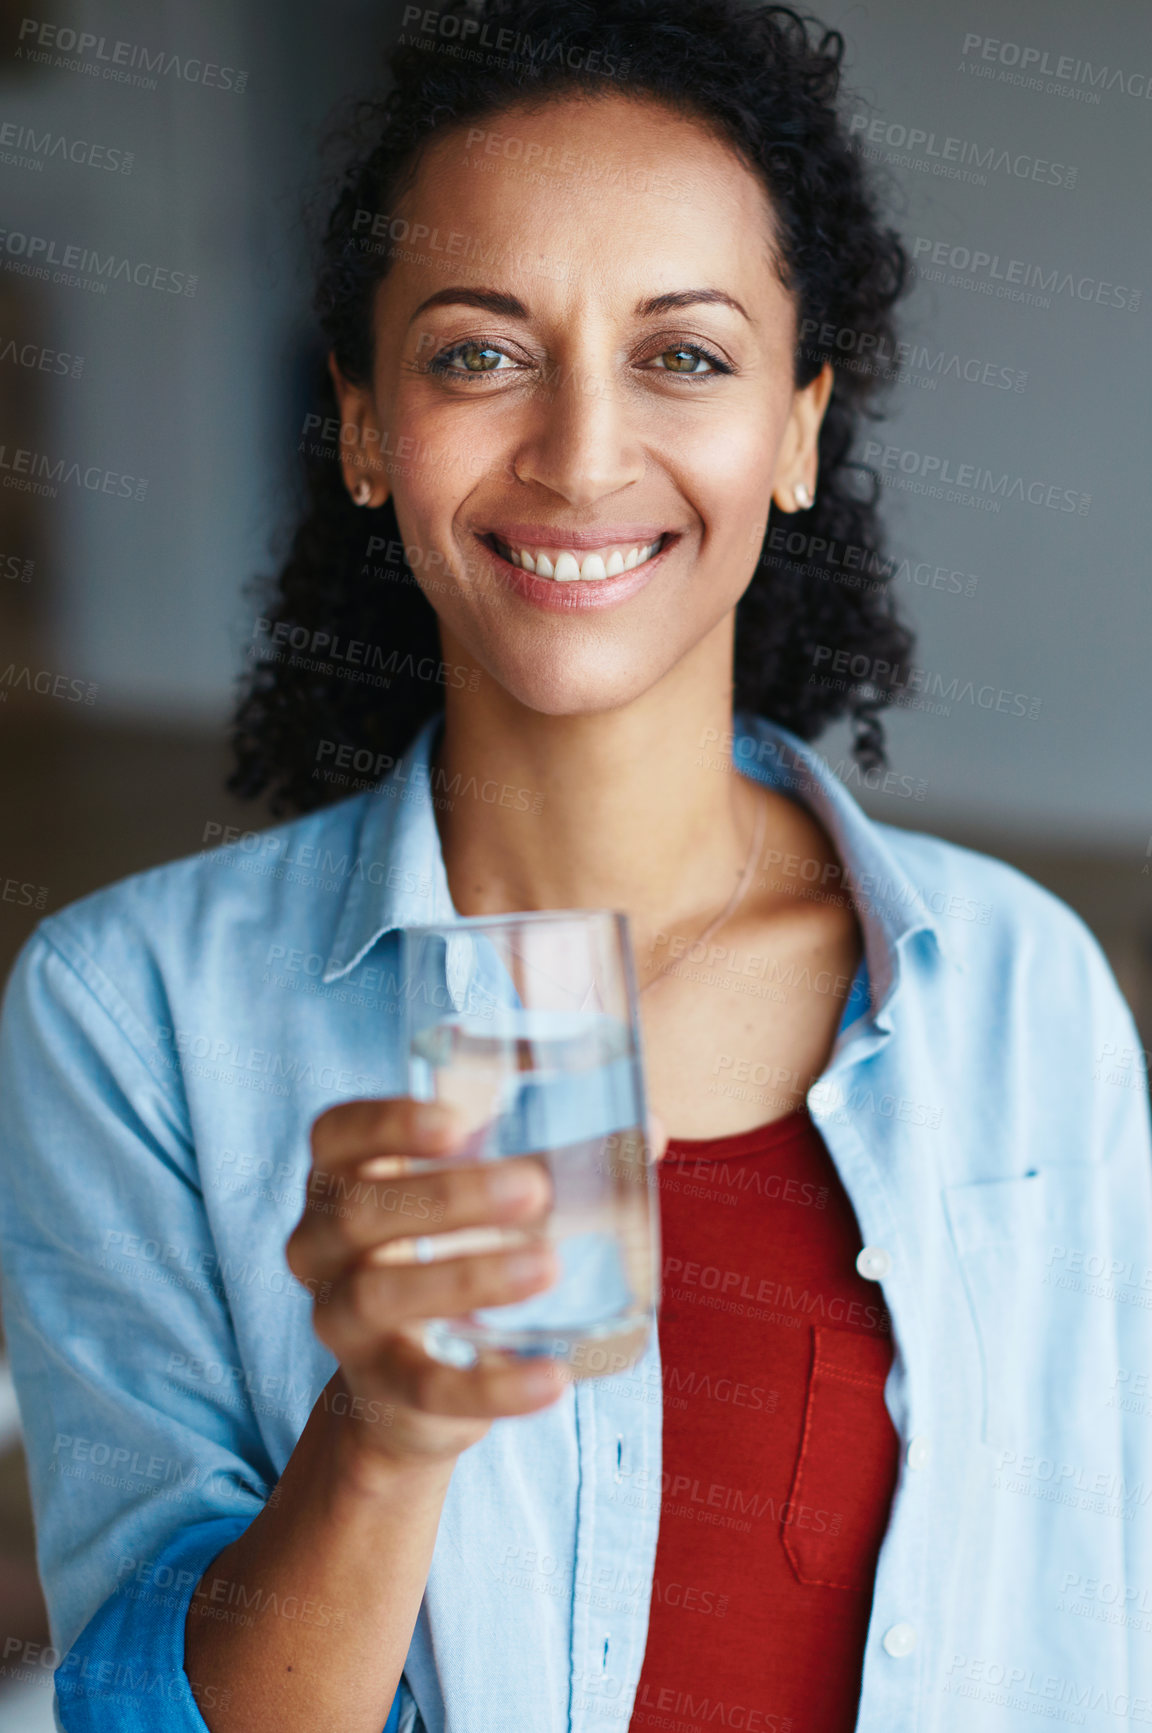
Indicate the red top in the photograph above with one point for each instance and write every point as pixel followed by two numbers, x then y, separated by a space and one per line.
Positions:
pixel 780 1457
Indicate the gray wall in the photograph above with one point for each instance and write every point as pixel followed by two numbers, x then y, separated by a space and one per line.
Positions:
pixel 192 393
pixel 1062 610
pixel 196 393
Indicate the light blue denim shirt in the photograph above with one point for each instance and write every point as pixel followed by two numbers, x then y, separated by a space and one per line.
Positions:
pixel 166 1044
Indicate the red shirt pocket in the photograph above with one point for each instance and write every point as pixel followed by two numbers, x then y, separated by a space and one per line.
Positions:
pixel 846 1468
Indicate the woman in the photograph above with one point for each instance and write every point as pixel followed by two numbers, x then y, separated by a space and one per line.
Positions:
pixel 872 1467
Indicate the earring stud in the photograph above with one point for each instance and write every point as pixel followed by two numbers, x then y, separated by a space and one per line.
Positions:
pixel 802 496
pixel 362 492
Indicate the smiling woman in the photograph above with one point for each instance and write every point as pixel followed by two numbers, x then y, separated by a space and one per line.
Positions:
pixel 564 286
pixel 514 262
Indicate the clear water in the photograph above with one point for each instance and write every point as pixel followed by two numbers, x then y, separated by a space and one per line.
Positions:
pixel 565 1087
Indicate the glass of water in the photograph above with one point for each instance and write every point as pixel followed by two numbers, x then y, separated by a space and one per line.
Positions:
pixel 527 1025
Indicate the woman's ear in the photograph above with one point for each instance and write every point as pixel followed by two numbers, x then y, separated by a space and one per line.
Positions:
pixel 361 445
pixel 794 487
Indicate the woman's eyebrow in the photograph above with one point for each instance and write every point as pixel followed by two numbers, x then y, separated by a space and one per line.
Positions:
pixel 510 307
pixel 488 300
pixel 688 298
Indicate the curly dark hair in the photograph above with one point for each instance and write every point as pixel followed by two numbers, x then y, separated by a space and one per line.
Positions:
pixel 766 81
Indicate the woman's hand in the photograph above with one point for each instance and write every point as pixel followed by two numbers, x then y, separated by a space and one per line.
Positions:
pixel 354 1248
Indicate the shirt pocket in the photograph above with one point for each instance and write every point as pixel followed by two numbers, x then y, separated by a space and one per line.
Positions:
pixel 1046 1354
pixel 837 1510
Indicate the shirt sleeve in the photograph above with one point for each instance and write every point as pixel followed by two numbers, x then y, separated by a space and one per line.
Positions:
pixel 108 1271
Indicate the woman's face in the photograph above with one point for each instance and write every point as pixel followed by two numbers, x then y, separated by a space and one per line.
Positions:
pixel 584 354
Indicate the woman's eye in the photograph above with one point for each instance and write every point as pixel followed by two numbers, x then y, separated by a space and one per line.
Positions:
pixel 469 358
pixel 686 359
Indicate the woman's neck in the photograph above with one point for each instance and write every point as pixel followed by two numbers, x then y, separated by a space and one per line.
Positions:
pixel 623 809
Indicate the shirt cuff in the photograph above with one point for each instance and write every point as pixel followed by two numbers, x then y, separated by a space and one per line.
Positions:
pixel 125 1671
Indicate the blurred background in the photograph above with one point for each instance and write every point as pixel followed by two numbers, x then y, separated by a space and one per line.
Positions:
pixel 1014 145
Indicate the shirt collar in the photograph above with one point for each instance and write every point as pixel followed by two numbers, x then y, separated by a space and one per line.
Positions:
pixel 401 881
pixel 890 904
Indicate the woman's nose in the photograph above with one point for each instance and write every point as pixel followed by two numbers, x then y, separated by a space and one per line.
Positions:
pixel 580 439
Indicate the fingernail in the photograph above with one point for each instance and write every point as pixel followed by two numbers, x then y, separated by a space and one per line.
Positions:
pixel 382 1167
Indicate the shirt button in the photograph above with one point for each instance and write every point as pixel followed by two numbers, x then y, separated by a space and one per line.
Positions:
pixel 874 1263
pixel 899 1641
pixel 919 1450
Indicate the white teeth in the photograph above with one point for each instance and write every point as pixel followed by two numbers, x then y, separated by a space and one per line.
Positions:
pixel 592 568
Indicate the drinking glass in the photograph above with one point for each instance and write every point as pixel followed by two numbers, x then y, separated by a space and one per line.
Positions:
pixel 527 1025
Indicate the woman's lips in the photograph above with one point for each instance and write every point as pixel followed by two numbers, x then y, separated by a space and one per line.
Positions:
pixel 579 576
pixel 517 533
pixel 566 564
